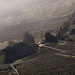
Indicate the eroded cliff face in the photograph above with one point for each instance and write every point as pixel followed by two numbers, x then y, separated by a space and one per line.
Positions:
pixel 67 29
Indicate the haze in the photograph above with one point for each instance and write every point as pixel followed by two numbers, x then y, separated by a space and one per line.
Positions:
pixel 14 12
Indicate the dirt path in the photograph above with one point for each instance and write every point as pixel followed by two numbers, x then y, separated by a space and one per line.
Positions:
pixel 42 45
pixel 12 65
pixel 60 54
pixel 14 69
pixel 55 49
pixel 15 63
pixel 64 55
pixel 60 50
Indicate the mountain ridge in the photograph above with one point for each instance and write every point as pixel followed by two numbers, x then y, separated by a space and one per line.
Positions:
pixel 66 29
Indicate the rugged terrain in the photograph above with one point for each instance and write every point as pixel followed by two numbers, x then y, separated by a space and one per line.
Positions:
pixel 35 16
pixel 67 30
pixel 50 59
pixel 56 56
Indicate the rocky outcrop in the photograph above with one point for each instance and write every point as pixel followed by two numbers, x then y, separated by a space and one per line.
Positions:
pixel 49 38
pixel 67 29
pixel 17 51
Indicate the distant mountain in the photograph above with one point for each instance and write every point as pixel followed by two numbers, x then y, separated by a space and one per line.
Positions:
pixel 67 30
pixel 14 12
pixel 37 16
pixel 37 29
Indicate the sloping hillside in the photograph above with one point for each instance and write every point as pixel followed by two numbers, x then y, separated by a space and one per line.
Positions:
pixel 46 62
pixel 35 16
pixel 67 30
pixel 37 29
pixel 18 51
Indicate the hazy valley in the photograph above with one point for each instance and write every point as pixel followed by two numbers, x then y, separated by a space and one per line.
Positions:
pixel 37 37
pixel 34 16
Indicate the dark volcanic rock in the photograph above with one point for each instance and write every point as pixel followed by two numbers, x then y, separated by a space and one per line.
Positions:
pixel 49 38
pixel 17 51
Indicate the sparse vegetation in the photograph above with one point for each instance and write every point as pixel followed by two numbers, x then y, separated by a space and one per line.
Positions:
pixel 27 60
pixel 11 43
pixel 48 64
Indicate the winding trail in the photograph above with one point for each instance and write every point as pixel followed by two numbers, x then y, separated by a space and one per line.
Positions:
pixel 12 65
pixel 64 55
pixel 14 69
pixel 56 49
pixel 42 45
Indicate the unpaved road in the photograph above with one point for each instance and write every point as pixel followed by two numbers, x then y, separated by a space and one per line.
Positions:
pixel 14 69
pixel 42 45
pixel 64 55
pixel 12 65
